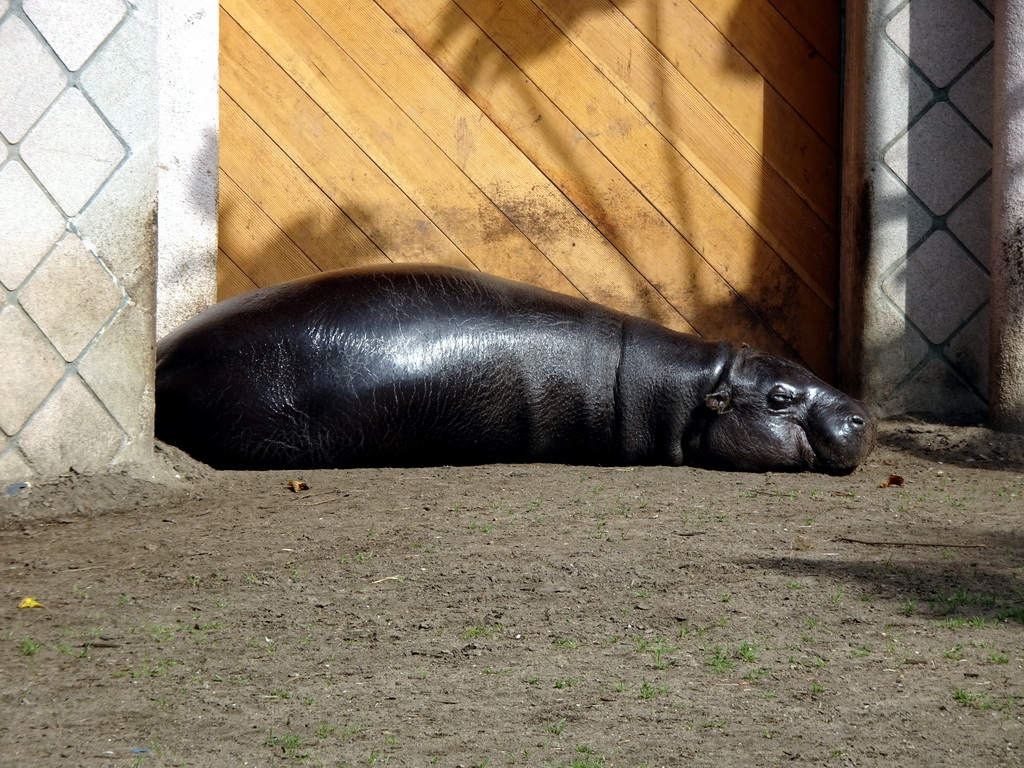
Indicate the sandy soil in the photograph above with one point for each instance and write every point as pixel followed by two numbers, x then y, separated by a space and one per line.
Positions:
pixel 532 615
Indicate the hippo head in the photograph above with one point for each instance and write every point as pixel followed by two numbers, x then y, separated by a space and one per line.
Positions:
pixel 767 413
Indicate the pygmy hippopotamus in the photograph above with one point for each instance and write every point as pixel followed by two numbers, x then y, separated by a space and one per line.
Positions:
pixel 429 365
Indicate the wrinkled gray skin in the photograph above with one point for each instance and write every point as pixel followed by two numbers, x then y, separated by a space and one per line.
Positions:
pixel 407 366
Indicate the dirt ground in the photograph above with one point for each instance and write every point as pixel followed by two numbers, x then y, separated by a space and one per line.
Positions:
pixel 533 615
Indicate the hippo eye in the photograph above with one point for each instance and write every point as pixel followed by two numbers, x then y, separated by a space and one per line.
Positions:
pixel 780 397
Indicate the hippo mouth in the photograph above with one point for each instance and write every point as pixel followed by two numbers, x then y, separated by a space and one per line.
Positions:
pixel 805 450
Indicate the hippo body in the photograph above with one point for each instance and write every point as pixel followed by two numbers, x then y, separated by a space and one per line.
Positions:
pixel 417 365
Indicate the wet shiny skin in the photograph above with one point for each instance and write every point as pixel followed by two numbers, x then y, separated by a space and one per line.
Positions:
pixel 779 416
pixel 433 365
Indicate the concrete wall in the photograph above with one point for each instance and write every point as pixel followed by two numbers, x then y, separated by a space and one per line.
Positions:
pixel 917 203
pixel 187 150
pixel 79 129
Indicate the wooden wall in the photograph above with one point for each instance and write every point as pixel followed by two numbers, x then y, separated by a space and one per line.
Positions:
pixel 674 159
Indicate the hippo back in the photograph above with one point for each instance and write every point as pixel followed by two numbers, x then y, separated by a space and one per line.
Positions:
pixel 392 367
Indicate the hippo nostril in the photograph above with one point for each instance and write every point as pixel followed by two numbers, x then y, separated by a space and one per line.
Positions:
pixel 857 421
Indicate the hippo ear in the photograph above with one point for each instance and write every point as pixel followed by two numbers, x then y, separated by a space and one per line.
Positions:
pixel 719 401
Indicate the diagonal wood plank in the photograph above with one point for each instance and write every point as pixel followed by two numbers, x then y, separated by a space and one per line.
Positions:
pixel 783 57
pixel 231 280
pixel 704 138
pixel 706 59
pixel 259 248
pixel 562 131
pixel 818 21
pixel 288 196
pixel 327 154
pixel 514 184
pixel 639 151
pixel 572 161
pixel 405 154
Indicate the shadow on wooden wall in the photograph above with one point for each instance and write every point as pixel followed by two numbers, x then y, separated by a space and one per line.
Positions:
pixel 635 152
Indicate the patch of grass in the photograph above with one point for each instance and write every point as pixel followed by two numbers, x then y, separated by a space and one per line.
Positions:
pixel 648 691
pixel 65 648
pixel 814 661
pixel 720 659
pixel 965 697
pixel 566 683
pixel 160 633
pixel 556 727
pixel 586 760
pixel 1013 614
pixel 1001 607
pixel 160 669
pixel 29 647
pixel 565 642
pixel 659 651
pixel 748 652
pixel 198 625
pixel 698 632
pixel 477 632
pixel 350 731
pixel 492 671
pixel 291 744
